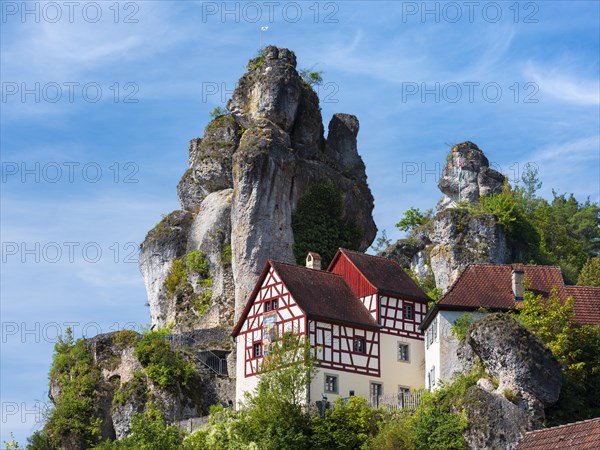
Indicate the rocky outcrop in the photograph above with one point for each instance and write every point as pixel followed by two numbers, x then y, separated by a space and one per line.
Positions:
pixel 527 379
pixel 124 387
pixel 455 237
pixel 476 178
pixel 246 176
pixel 521 363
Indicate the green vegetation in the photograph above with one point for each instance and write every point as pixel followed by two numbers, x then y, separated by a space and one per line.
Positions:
pixel 226 255
pixel 310 77
pixel 218 112
pixel 382 242
pixel 148 432
pixel 134 388
pixel 575 346
pixel 162 365
pixel 414 218
pixel 319 226
pixel 461 326
pixel 258 60
pixel 428 284
pixel 590 273
pixel 74 418
pixel 125 338
pixel 202 302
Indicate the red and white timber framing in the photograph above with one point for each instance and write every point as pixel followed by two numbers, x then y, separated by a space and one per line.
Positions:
pixel 289 318
pixel 401 317
pixel 335 348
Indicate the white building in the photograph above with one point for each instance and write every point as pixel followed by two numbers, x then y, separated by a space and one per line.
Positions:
pixel 483 288
pixel 362 314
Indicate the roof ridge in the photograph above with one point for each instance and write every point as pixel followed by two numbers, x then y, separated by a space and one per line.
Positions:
pixel 371 256
pixel 298 266
pixel 564 425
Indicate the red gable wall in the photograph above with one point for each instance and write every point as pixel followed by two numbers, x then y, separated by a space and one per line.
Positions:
pixel 357 282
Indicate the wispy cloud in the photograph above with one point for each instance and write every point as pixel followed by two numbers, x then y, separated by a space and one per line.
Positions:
pixel 556 83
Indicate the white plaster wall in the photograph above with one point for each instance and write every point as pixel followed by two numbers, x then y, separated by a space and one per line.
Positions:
pixel 396 373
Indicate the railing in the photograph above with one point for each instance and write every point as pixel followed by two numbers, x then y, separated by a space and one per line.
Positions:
pixel 401 401
pixel 206 357
pixel 215 363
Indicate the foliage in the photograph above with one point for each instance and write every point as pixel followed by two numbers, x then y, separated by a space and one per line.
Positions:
pixel 319 226
pixel 428 284
pixel 349 424
pixel 73 421
pixel 124 338
pixel 148 432
pixel 196 262
pixel 312 78
pixel 434 429
pixel 393 434
pixel 134 388
pixel 226 255
pixel 382 242
pixel 461 326
pixel 163 366
pixel 258 60
pixel 590 273
pixel 39 440
pixel 12 444
pixel 202 302
pixel 176 275
pixel 274 416
pixel 414 218
pixel 218 112
pixel 575 346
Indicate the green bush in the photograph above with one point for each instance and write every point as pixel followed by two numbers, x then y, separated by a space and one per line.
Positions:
pixel 175 276
pixel 125 338
pixel 203 302
pixel 461 326
pixel 226 255
pixel 413 218
pixel 218 112
pixel 135 388
pixel 312 78
pixel 163 366
pixel 74 419
pixel 148 432
pixel 319 226
pixel 196 262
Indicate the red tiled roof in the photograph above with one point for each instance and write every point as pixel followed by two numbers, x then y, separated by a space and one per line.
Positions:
pixel 386 275
pixel 586 303
pixel 490 285
pixel 323 295
pixel 572 436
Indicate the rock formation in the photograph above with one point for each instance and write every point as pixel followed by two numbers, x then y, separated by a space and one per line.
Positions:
pixel 455 238
pixel 528 379
pixel 245 178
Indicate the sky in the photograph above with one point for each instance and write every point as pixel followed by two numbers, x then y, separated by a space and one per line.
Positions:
pixel 100 99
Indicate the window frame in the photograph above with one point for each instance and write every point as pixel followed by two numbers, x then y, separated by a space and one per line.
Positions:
pixel 407 346
pixel 362 340
pixel 260 347
pixel 408 307
pixel 336 389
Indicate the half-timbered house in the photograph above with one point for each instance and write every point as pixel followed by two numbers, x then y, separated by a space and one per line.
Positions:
pixel 361 316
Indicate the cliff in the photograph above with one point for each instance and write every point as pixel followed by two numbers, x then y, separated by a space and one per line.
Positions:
pixel 246 177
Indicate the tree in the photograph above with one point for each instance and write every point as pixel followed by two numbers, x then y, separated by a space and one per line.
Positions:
pixel 382 242
pixel 148 432
pixel 414 218
pixel 313 78
pixel 590 273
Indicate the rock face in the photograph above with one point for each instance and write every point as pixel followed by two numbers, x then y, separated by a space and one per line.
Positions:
pixel 454 237
pixel 476 177
pixel 528 377
pixel 521 362
pixel 245 178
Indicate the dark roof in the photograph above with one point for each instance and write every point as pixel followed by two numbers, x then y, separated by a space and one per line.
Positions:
pixel 572 436
pixel 324 295
pixel 385 275
pixel 490 286
pixel 321 295
pixel 586 303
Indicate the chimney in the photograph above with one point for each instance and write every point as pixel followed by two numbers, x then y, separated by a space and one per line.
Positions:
pixel 517 284
pixel 313 261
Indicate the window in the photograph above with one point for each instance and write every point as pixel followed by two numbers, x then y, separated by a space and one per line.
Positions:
pixel 331 384
pixel 257 350
pixel 274 304
pixel 376 391
pixel 431 378
pixel 267 306
pixel 359 345
pixel 431 335
pixel 403 352
pixel 408 312
pixel 403 396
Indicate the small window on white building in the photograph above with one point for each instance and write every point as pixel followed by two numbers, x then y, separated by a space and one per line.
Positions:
pixel 431 378
pixel 409 312
pixel 359 345
pixel 331 384
pixel 403 396
pixel 257 350
pixel 431 334
pixel 403 352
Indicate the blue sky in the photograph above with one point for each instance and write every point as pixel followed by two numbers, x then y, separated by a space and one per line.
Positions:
pixel 99 103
